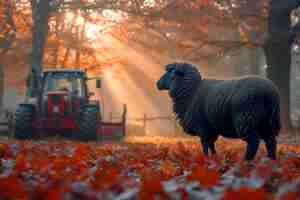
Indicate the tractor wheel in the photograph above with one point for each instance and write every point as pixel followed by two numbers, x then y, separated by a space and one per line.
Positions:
pixel 24 117
pixel 88 123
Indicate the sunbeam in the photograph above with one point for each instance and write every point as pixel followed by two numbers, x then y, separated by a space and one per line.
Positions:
pixel 133 84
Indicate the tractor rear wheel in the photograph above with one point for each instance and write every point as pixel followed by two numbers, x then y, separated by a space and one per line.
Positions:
pixel 88 123
pixel 24 118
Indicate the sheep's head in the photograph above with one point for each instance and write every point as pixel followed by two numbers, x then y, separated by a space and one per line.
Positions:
pixel 168 78
pixel 174 75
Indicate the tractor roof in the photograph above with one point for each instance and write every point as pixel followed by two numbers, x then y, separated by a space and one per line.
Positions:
pixel 63 70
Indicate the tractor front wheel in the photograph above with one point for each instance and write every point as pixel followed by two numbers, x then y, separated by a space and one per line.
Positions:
pixel 24 118
pixel 88 123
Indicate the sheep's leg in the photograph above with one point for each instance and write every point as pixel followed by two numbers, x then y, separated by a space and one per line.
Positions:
pixel 252 146
pixel 211 144
pixel 271 144
pixel 205 146
pixel 212 147
pixel 245 124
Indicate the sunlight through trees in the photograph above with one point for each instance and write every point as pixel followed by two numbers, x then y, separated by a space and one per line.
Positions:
pixel 79 33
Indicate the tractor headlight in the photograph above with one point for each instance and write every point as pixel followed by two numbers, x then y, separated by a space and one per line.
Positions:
pixel 56 109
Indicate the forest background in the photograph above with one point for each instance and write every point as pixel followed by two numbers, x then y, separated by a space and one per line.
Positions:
pixel 127 42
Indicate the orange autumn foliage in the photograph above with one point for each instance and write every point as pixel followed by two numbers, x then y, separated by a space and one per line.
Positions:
pixel 246 194
pixel 206 177
pixel 151 187
pixel 58 169
pixel 13 188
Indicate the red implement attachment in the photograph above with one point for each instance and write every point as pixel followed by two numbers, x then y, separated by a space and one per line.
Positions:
pixel 52 124
pixel 113 130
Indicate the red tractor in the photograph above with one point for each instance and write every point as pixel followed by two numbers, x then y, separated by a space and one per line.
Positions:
pixel 63 106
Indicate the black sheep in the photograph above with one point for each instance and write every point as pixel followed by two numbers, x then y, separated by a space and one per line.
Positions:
pixel 246 108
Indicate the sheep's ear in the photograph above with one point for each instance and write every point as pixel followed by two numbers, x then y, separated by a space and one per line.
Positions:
pixel 169 67
pixel 176 68
pixel 180 70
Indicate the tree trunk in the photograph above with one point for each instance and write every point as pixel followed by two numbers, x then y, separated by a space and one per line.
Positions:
pixel 1 86
pixel 6 43
pixel 78 49
pixel 55 54
pixel 278 58
pixel 254 57
pixel 40 15
pixel 66 57
pixel 278 52
pixel 80 39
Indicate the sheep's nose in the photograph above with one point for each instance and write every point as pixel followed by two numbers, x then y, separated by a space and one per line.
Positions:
pixel 159 85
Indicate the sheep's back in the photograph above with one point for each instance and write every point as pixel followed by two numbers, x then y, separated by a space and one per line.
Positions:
pixel 253 96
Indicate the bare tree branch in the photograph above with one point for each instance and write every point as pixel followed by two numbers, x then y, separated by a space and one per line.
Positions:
pixel 11 32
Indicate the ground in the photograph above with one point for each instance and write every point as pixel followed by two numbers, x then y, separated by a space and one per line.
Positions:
pixel 144 168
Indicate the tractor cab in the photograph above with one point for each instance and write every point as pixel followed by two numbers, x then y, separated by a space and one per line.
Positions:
pixel 63 91
pixel 71 82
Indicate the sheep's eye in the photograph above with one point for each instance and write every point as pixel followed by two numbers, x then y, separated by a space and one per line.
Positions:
pixel 172 74
pixel 170 69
